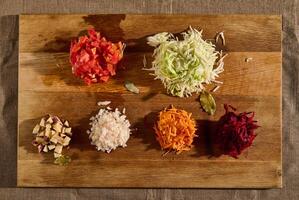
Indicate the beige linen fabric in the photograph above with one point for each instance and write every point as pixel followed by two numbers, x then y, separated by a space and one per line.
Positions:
pixel 9 9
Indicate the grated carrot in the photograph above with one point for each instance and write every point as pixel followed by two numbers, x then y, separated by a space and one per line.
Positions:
pixel 175 129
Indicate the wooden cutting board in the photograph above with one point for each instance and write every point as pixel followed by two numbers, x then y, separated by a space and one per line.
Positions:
pixel 46 85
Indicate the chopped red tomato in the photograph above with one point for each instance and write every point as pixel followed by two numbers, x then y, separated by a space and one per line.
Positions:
pixel 93 58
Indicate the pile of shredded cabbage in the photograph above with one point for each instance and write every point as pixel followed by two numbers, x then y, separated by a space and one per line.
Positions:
pixel 184 66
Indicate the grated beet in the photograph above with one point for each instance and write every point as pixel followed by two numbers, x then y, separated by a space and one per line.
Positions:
pixel 93 58
pixel 236 131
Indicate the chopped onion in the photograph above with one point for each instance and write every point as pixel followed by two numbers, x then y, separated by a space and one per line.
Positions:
pixel 103 103
pixel 109 130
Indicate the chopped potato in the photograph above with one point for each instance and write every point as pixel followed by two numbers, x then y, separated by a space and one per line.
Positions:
pixel 52 134
pixel 36 129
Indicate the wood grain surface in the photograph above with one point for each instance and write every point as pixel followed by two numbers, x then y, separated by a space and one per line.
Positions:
pixel 46 85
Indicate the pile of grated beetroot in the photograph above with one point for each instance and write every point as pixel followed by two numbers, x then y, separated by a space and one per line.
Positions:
pixel 236 131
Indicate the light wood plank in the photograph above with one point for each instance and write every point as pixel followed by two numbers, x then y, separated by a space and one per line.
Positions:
pixel 53 33
pixel 52 72
pixel 141 113
pixel 153 174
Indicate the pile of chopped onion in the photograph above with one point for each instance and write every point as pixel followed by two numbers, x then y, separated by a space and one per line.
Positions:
pixel 94 58
pixel 236 131
pixel 175 130
pixel 184 66
pixel 109 129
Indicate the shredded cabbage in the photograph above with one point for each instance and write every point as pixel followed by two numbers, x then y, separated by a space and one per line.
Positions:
pixel 184 66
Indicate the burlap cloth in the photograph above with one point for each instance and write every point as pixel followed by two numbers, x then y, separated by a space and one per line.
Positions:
pixel 9 9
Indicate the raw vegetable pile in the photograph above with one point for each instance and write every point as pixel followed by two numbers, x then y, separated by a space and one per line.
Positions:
pixel 184 66
pixel 109 129
pixel 93 58
pixel 236 131
pixel 175 129
pixel 52 134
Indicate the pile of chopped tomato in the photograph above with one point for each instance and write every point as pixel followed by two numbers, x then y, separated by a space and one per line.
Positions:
pixel 236 131
pixel 93 58
pixel 175 129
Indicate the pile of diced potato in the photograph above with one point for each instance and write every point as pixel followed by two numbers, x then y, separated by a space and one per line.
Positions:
pixel 52 134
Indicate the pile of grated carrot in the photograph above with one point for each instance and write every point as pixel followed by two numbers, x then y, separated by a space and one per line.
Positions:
pixel 175 130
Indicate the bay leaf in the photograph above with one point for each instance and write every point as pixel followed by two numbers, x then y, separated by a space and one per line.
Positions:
pixel 208 102
pixel 131 87
pixel 62 160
